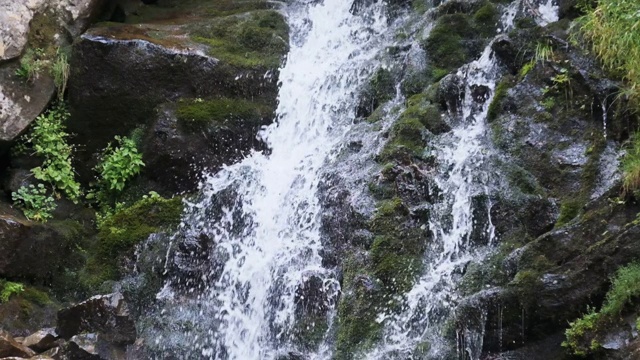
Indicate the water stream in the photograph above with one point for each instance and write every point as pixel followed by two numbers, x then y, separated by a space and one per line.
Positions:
pixel 258 221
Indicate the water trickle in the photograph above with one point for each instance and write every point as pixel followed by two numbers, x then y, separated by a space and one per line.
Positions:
pixel 258 221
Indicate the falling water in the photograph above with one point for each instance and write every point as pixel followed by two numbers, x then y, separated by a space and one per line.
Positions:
pixel 462 176
pixel 261 216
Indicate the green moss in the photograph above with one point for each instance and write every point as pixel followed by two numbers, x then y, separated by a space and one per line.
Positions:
pixel 43 29
pixel 406 139
pixel 583 335
pixel 257 40
pixel 119 233
pixel 197 114
pixel 486 18
pixel 500 93
pixel 36 296
pixel 568 211
pixel 445 46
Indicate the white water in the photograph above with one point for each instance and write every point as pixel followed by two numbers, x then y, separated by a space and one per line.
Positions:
pixel 268 234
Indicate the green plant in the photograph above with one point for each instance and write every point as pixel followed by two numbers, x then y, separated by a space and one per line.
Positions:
pixel 119 164
pixel 544 52
pixel 8 289
pixel 582 334
pixel 48 140
pixel 526 68
pixel 631 166
pixel 612 29
pixel 31 64
pixel 60 72
pixel 34 202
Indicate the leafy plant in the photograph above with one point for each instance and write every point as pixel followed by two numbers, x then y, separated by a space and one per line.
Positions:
pixel 48 140
pixel 526 68
pixel 119 164
pixel 612 29
pixel 35 202
pixel 31 64
pixel 60 72
pixel 8 289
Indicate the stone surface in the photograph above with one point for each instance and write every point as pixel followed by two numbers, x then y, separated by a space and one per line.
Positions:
pixel 41 340
pixel 106 315
pixel 10 347
pixel 21 101
pixel 35 251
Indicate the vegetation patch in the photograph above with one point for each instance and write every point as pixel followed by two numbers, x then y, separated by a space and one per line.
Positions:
pixel 498 97
pixel 631 166
pixel 259 39
pixel 607 29
pixel 198 114
pixel 584 335
pixel 118 233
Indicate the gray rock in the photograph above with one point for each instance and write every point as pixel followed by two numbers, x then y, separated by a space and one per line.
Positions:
pixel 15 17
pixel 21 101
pixel 106 315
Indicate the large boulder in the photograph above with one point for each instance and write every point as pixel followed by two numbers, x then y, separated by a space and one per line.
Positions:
pixel 105 315
pixel 35 251
pixel 41 340
pixel 121 73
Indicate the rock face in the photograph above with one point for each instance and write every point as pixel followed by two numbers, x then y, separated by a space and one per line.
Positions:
pixel 34 251
pixel 31 32
pixel 106 315
pixel 41 340
pixel 122 75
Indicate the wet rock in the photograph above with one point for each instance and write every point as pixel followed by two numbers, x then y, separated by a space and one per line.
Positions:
pixel 82 347
pixel 41 340
pixel 106 315
pixel 15 18
pixel 10 347
pixel 450 92
pixel 36 251
pixel 175 155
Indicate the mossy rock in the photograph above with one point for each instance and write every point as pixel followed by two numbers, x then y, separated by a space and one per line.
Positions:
pixel 198 114
pixel 427 113
pixel 257 39
pixel 119 233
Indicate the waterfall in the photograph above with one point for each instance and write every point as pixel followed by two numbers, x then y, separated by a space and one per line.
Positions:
pixel 260 218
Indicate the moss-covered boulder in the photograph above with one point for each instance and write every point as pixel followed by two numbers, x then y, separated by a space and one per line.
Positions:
pixel 122 72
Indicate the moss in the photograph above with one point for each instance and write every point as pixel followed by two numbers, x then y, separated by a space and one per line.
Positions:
pixel 486 18
pixel 415 82
pixel 499 95
pixel 197 114
pixel 119 233
pixel 36 296
pixel 445 46
pixel 43 29
pixel 568 211
pixel 406 139
pixel 257 40
pixel 309 331
pixel 523 180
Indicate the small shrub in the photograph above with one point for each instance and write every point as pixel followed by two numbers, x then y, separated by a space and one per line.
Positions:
pixel 8 289
pixel 48 140
pixel 60 72
pixel 119 164
pixel 35 202
pixel 30 64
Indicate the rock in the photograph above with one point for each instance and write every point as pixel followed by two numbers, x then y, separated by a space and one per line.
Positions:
pixel 122 73
pixel 10 347
pixel 42 340
pixel 15 17
pixel 175 154
pixel 21 101
pixel 105 315
pixel 81 347
pixel 450 92
pixel 36 251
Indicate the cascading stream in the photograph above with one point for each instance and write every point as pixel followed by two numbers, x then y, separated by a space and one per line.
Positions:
pixel 262 214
